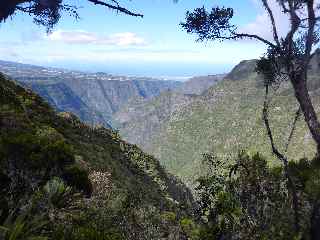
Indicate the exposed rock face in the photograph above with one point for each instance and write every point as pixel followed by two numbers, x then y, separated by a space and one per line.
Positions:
pixel 226 118
pixel 93 97
pixel 60 96
pixel 141 119
pixel 108 96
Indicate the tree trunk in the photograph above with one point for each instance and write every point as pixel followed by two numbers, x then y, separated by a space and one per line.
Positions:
pixel 315 222
pixel 310 116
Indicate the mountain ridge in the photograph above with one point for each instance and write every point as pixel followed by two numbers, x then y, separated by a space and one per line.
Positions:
pixel 227 118
pixel 101 94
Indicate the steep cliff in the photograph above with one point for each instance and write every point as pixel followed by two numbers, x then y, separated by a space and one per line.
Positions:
pixel 226 119
pixel 140 199
pixel 94 97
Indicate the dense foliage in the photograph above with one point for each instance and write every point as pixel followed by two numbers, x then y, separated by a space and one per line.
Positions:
pixel 62 179
pixel 250 200
pixel 48 12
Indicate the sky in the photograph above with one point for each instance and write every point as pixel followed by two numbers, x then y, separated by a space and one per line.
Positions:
pixel 155 45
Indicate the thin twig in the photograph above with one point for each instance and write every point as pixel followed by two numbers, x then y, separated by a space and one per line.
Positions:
pixel 283 159
pixel 296 118
pixel 117 7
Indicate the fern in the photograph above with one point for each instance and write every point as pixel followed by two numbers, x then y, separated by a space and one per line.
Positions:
pixel 22 227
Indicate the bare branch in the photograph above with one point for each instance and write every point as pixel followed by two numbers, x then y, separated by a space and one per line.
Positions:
pixel 294 124
pixel 118 8
pixel 284 8
pixel 295 23
pixel 283 159
pixel 245 35
pixel 265 115
pixel 273 23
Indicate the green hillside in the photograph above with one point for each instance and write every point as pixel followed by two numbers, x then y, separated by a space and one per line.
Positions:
pixel 141 119
pixel 37 147
pixel 228 118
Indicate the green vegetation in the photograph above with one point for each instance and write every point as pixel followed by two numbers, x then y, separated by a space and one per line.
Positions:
pixel 226 118
pixel 253 201
pixel 62 179
pixel 22 227
pixel 81 182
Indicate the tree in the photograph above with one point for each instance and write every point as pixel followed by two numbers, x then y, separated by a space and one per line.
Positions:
pixel 48 12
pixel 287 59
pixel 244 200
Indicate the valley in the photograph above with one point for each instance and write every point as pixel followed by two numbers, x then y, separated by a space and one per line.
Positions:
pixel 177 122
pixel 223 120
pixel 155 120
pixel 94 97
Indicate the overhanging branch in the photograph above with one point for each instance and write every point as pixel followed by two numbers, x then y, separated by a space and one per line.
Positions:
pixel 246 35
pixel 116 7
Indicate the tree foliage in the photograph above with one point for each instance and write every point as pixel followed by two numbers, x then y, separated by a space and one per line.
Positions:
pixel 287 59
pixel 49 12
pixel 250 200
pixel 288 56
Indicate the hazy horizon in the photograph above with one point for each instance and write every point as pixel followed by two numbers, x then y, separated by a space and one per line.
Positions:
pixel 152 46
pixel 181 72
pixel 163 71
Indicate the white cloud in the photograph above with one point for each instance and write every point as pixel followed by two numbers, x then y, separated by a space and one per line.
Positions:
pixel 8 53
pixel 262 26
pixel 123 39
pixel 213 55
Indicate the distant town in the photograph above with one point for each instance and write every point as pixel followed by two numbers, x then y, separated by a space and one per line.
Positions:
pixel 26 72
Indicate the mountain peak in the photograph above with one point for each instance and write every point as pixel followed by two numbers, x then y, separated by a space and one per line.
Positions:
pixel 243 70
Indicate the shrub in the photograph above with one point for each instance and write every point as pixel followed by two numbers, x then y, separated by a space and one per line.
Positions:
pixel 169 217
pixel 190 228
pixel 35 152
pixel 248 200
pixel 30 161
pixel 22 227
pixel 57 193
pixel 85 233
pixel 79 178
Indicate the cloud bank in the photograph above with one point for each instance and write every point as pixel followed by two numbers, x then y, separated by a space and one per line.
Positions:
pixel 262 26
pixel 123 39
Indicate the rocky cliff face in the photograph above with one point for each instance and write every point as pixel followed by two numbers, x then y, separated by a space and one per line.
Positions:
pixel 224 119
pixel 141 119
pixel 101 98
pixel 60 96
pixel 108 96
pixel 93 97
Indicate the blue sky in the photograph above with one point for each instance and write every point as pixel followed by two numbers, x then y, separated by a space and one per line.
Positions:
pixel 155 45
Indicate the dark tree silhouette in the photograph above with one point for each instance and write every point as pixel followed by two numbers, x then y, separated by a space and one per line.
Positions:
pixel 287 59
pixel 48 12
